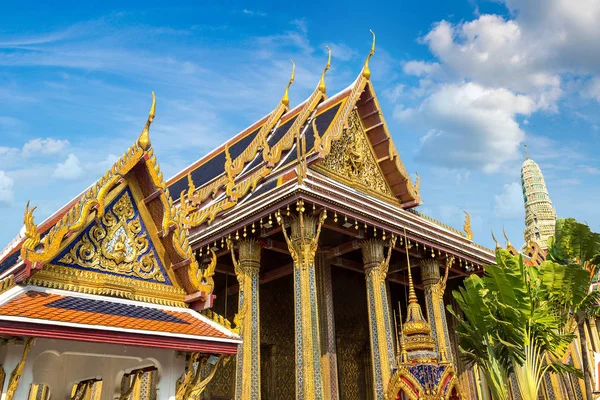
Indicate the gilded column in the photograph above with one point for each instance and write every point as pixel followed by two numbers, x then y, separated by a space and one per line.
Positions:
pixel 302 243
pixel 327 328
pixel 247 267
pixel 376 266
pixel 436 312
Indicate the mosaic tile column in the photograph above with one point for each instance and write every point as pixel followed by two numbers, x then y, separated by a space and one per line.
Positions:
pixel 303 243
pixel 247 385
pixel 436 311
pixel 327 328
pixel 382 344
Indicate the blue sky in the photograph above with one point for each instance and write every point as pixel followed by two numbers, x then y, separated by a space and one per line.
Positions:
pixel 463 84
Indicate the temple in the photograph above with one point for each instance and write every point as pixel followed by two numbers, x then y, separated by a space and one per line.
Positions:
pixel 289 263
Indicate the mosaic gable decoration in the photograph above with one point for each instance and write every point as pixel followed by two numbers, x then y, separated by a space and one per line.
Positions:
pixel 351 159
pixel 117 244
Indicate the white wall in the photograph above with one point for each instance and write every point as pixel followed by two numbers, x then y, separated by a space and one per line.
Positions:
pixel 61 363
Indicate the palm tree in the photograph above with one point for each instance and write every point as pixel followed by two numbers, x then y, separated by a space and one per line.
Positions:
pixel 477 342
pixel 511 325
pixel 576 249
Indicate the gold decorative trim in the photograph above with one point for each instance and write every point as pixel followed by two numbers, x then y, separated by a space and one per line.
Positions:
pixel 191 385
pixel 6 284
pixel 66 278
pixel 467 226
pixel 351 160
pixel 191 199
pixel 15 376
pixel 93 200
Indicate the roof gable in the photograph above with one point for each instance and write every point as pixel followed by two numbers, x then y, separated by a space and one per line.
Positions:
pixel 120 238
pixel 352 161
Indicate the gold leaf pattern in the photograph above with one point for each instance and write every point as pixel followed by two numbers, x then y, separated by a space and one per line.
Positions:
pixel 352 160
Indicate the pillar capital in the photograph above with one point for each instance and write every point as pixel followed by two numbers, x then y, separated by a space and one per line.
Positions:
pixel 430 272
pixel 372 252
pixel 249 253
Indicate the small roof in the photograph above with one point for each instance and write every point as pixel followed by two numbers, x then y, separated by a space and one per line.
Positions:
pixel 53 313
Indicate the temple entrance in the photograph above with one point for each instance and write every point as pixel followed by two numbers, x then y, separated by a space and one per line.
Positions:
pixel 352 335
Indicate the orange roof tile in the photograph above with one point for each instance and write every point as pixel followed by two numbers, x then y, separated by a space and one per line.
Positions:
pixel 97 312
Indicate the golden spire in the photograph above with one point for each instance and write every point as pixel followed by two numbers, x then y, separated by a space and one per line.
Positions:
pixel 144 139
pixel 412 296
pixel 416 332
pixel 322 86
pixel 286 97
pixel 526 151
pixel 366 71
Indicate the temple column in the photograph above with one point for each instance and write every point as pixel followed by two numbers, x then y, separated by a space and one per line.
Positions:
pixel 327 328
pixel 434 287
pixel 382 345
pixel 302 243
pixel 247 267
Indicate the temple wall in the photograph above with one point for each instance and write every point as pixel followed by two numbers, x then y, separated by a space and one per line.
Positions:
pixel 352 335
pixel 61 363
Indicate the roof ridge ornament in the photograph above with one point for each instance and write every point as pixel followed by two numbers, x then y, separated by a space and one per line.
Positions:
pixel 144 139
pixel 285 100
pixel 322 87
pixel 366 72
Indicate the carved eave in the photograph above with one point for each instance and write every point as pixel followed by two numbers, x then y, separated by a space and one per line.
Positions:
pixel 137 172
pixel 385 150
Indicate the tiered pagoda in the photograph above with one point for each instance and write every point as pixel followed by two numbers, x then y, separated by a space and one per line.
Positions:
pixel 300 230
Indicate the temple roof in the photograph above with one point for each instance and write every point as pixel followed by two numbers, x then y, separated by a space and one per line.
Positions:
pixel 118 238
pixel 49 310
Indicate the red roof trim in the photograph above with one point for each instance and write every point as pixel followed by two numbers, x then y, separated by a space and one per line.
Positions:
pixel 128 339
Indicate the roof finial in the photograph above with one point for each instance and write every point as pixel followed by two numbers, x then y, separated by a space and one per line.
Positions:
pixel 506 237
pixel 366 71
pixel 322 86
pixel 286 98
pixel 526 151
pixel 144 139
pixel 497 244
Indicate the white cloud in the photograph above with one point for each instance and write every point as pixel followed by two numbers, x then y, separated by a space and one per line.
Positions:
pixel 394 93
pixel 254 13
pixel 44 146
pixel 342 51
pixel 509 203
pixel 6 188
pixel 469 126
pixel 420 68
pixel 494 52
pixel 70 169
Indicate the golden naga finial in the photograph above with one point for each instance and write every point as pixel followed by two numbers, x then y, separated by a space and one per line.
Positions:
pixel 286 96
pixel 508 244
pixel 366 71
pixel 417 184
pixel 31 233
pixel 467 226
pixel 497 244
pixel 144 139
pixel 322 86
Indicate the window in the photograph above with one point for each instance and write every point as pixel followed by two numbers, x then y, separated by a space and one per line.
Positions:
pixel 90 389
pixel 39 392
pixel 139 384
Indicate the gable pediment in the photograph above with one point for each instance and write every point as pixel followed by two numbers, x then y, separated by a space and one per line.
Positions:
pixel 117 244
pixel 352 161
